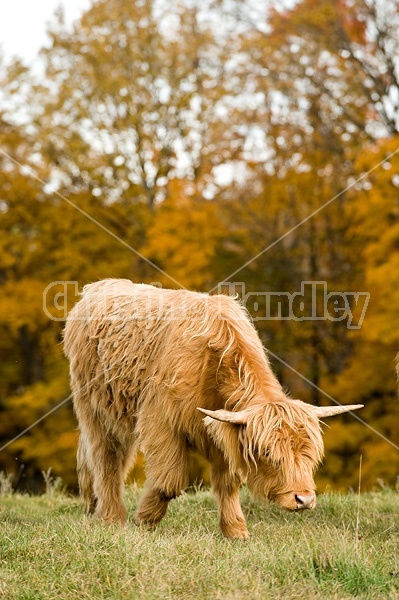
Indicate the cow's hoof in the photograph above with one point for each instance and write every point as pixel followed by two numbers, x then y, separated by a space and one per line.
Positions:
pixel 116 517
pixel 147 523
pixel 238 535
pixel 238 531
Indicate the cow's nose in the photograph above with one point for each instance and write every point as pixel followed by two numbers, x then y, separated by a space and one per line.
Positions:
pixel 304 501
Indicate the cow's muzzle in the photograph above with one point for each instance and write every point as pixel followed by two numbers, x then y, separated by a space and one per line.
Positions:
pixel 305 501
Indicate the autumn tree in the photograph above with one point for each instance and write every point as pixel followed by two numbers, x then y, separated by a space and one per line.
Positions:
pixel 137 95
pixel 369 375
pixel 323 75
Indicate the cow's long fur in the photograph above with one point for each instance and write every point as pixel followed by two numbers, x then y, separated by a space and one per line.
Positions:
pixel 142 361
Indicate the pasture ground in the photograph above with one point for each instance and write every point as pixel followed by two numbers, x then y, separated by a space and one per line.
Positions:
pixel 49 550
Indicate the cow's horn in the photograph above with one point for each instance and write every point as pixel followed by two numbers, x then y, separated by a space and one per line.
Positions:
pixel 329 411
pixel 227 416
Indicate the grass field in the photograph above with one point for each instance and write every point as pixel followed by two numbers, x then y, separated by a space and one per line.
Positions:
pixel 49 550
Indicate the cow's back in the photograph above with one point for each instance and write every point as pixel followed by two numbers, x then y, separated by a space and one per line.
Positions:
pixel 129 344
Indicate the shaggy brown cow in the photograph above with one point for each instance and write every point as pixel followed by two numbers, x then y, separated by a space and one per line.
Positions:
pixel 146 365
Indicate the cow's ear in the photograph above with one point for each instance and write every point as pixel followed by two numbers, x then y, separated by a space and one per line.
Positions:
pixel 227 416
pixel 329 411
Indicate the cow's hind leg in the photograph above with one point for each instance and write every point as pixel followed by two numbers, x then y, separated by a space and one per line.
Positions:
pixel 108 480
pixel 85 477
pixel 225 488
pixel 106 456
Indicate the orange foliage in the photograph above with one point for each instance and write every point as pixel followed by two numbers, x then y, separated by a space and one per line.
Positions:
pixel 131 126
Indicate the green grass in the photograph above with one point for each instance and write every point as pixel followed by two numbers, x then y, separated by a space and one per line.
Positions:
pixel 49 550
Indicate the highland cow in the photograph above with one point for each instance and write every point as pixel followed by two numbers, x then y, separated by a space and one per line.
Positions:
pixel 146 365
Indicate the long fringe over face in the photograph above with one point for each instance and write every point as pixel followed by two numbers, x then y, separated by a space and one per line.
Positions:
pixel 279 447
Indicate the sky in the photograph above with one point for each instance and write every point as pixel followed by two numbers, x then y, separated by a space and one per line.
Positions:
pixel 23 24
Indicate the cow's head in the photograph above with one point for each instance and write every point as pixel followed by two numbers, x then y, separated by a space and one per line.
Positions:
pixel 276 445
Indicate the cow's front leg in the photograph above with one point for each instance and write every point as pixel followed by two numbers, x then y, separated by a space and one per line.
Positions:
pixel 153 506
pixel 225 488
pixel 167 477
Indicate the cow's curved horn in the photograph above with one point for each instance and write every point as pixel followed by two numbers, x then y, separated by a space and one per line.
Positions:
pixel 329 411
pixel 227 416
